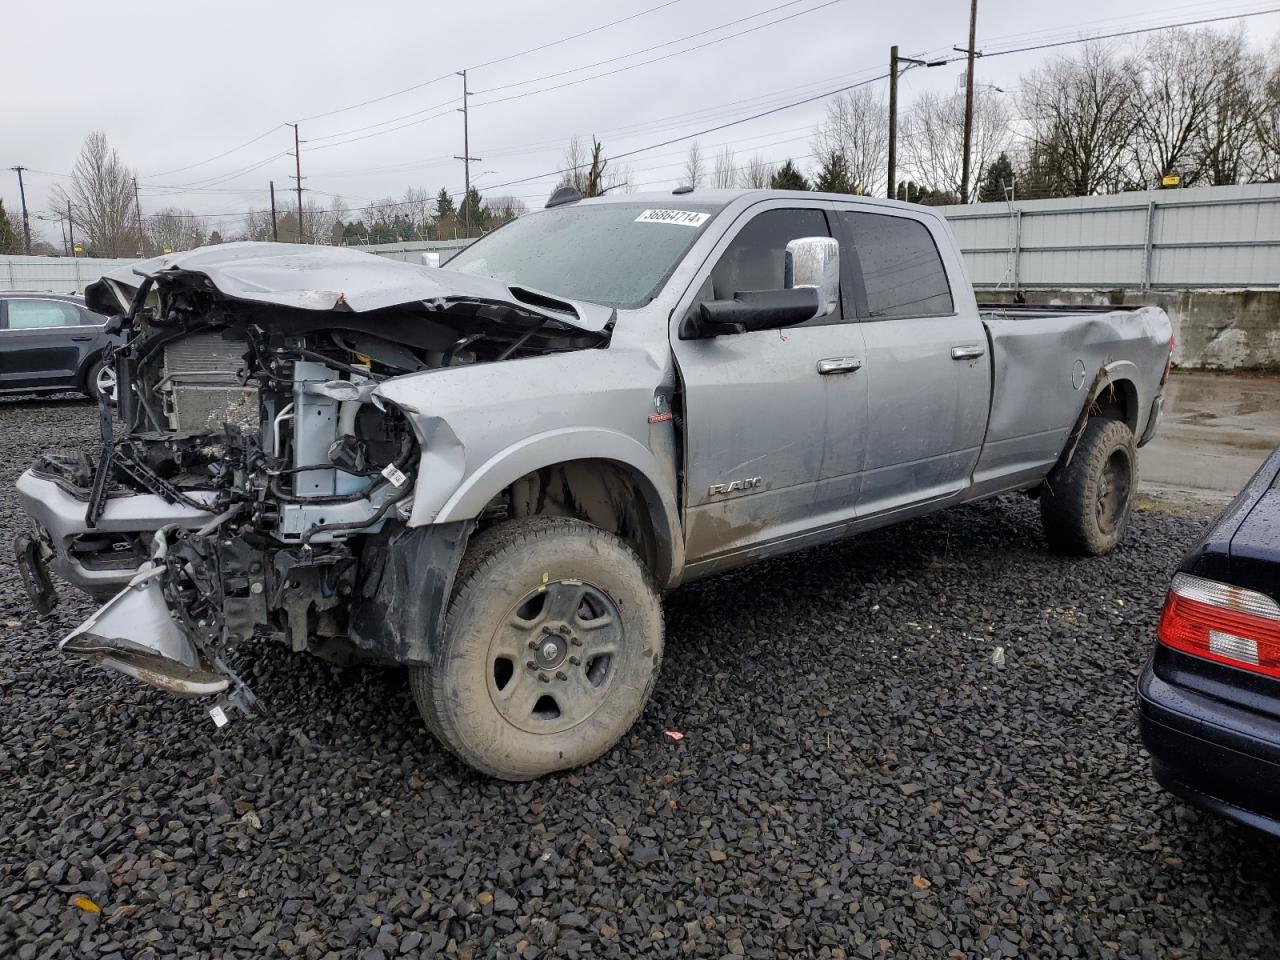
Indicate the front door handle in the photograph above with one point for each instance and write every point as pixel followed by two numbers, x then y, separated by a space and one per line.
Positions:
pixel 967 351
pixel 839 365
pixel 82 339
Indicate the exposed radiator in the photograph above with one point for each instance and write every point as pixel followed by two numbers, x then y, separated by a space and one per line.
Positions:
pixel 201 388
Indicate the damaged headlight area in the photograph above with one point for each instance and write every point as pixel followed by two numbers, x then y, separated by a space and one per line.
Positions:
pixel 264 424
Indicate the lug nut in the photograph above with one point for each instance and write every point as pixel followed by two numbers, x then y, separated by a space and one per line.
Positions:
pixel 533 644
pixel 575 661
pixel 561 675
pixel 575 641
pixel 531 665
pixel 544 678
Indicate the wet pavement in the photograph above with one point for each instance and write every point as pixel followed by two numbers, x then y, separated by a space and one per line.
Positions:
pixel 1217 429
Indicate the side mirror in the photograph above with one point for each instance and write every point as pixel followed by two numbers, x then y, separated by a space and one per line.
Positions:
pixel 811 278
pixel 431 258
pixel 814 262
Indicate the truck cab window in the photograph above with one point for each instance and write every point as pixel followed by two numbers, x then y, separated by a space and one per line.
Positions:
pixel 901 267
pixel 754 260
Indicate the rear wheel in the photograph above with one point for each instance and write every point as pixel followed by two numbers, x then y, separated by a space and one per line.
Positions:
pixel 1085 505
pixel 551 648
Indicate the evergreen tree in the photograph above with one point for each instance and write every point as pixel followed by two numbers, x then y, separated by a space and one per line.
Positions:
pixel 995 185
pixel 10 241
pixel 834 177
pixel 473 202
pixel 214 238
pixel 787 177
pixel 444 203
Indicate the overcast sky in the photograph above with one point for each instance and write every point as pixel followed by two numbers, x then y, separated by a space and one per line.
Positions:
pixel 175 84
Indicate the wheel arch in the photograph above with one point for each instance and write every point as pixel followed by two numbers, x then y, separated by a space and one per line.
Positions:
pixel 1113 395
pixel 603 477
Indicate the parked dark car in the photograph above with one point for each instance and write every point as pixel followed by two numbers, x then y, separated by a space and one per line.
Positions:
pixel 1210 694
pixel 50 343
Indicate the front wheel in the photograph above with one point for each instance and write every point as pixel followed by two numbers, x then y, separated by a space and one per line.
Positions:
pixel 1085 505
pixel 551 647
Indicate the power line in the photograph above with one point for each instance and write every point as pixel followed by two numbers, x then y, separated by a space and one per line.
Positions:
pixel 380 123
pixel 365 103
pixel 191 166
pixel 576 36
pixel 378 133
pixel 1128 33
pixel 667 56
pixel 636 53
pixel 698 133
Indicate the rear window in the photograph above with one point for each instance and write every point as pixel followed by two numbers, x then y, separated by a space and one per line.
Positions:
pixel 901 266
pixel 32 314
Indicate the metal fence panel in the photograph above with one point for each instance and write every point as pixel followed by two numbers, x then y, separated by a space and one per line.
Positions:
pixel 73 274
pixel 1202 237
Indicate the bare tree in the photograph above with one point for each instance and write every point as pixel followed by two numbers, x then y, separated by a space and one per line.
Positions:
pixel 174 228
pixel 588 170
pixel 102 199
pixel 694 167
pixel 857 128
pixel 417 206
pixel 1180 75
pixel 504 208
pixel 1229 148
pixel 725 174
pixel 1079 113
pixel 1267 120
pixel 257 225
pixel 755 174
pixel 933 137
pixel 577 165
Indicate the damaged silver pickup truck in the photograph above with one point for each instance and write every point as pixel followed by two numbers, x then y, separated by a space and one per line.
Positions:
pixel 489 473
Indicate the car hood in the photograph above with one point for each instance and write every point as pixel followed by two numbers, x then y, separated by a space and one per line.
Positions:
pixel 331 278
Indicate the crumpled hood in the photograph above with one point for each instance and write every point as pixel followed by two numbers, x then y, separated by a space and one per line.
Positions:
pixel 331 278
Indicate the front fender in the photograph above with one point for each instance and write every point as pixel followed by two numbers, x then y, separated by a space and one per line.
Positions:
pixel 561 446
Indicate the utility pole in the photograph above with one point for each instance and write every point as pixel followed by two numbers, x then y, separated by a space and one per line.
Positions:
pixel 137 212
pixel 297 166
pixel 26 224
pixel 466 157
pixel 893 122
pixel 275 233
pixel 894 60
pixel 71 228
pixel 968 102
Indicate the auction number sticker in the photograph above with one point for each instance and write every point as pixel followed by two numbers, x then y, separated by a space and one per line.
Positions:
pixel 684 218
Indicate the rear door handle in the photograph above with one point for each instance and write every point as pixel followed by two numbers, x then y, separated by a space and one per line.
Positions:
pixel 967 351
pixel 82 339
pixel 839 365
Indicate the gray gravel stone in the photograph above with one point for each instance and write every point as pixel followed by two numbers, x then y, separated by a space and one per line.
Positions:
pixel 877 786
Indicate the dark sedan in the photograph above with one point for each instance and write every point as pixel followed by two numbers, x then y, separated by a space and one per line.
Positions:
pixel 50 343
pixel 1210 695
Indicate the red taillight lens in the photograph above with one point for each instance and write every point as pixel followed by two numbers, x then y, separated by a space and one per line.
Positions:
pixel 1226 624
pixel 1168 361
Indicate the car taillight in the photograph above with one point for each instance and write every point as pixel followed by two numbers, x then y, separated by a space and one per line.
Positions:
pixel 1168 361
pixel 1223 623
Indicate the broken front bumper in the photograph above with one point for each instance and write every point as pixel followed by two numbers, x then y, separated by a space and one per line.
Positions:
pixel 60 519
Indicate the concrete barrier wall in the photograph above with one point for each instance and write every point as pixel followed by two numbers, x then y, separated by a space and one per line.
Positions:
pixel 1215 329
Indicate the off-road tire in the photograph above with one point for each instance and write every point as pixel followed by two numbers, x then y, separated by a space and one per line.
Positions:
pixel 1085 506
pixel 499 578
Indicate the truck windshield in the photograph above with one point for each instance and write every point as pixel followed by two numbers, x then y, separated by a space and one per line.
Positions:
pixel 616 254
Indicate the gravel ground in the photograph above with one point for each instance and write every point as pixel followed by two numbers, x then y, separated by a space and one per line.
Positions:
pixel 861 775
